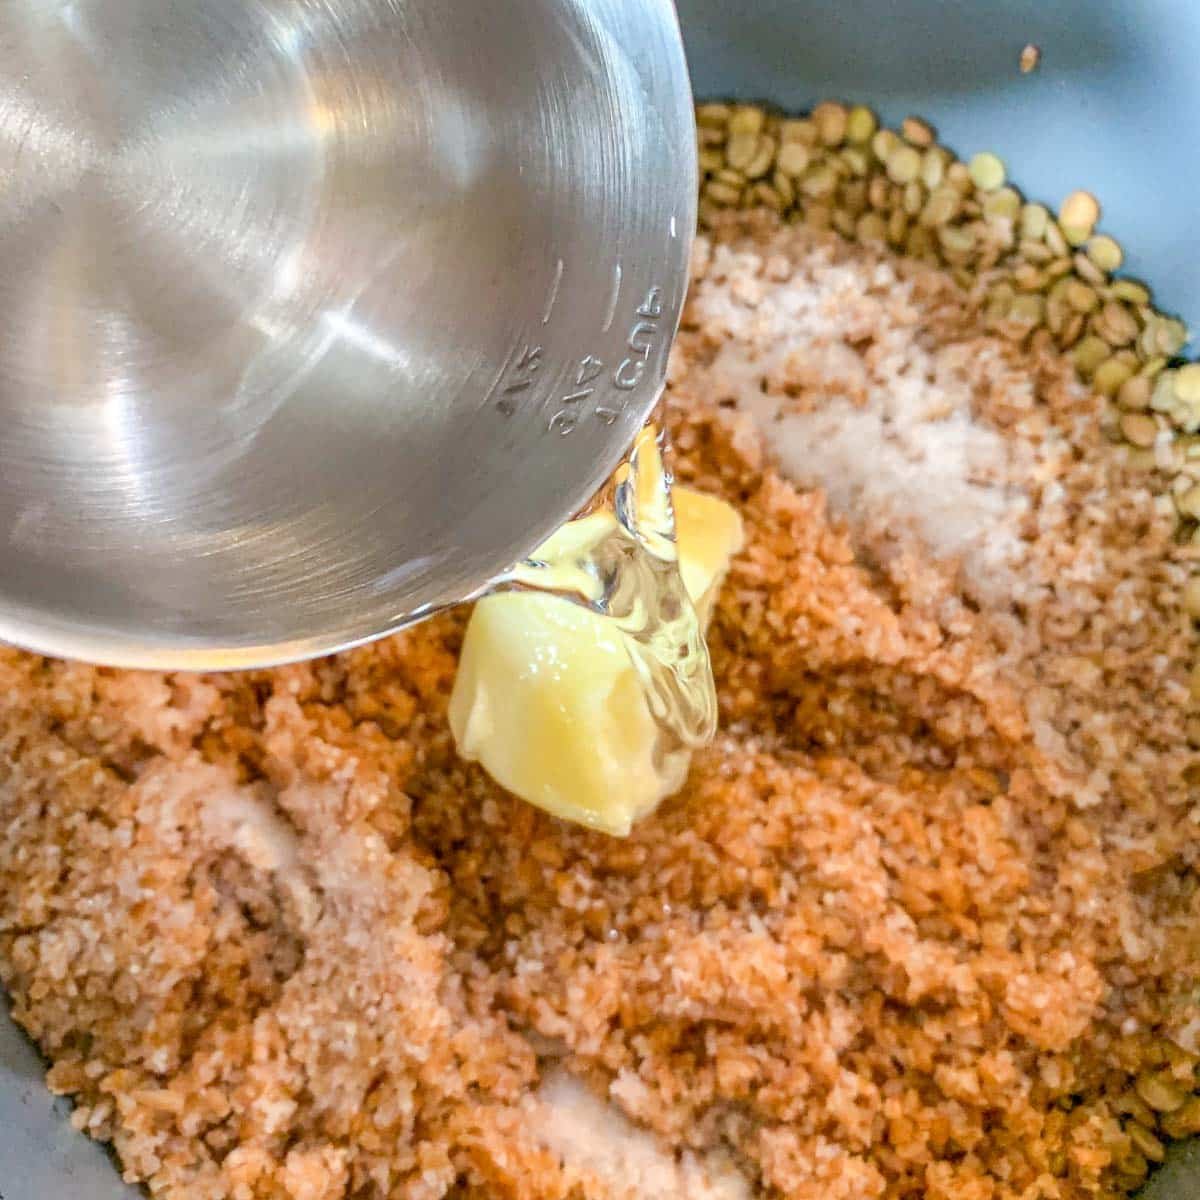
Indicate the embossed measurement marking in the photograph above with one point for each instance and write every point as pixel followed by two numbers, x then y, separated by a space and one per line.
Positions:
pixel 552 299
pixel 613 300
pixel 643 338
pixel 592 378
pixel 588 371
pixel 641 342
pixel 528 363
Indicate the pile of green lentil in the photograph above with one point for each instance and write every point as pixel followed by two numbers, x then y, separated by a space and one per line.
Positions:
pixel 1050 278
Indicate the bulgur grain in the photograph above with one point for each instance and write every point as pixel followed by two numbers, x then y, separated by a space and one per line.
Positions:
pixel 923 917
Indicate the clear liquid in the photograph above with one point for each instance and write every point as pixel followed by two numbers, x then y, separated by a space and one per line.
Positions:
pixel 621 562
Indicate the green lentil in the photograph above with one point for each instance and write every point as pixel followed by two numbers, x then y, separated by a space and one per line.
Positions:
pixel 1053 236
pixel 854 197
pixel 1087 270
pixel 1186 383
pixel 1146 1143
pixel 958 176
pixel 1116 324
pixel 1106 253
pixel 766 195
pixel 1034 252
pixel 917 133
pixel 883 143
pixel 1090 353
pixel 722 193
pixel 1134 393
pixel 1139 429
pixel 913 199
pixel 1080 210
pixel 786 188
pixel 956 239
pixel 857 159
pixel 1080 297
pixel 943 206
pixel 843 222
pixel 838 169
pixel 871 228
pixel 798 130
pixel 1110 376
pixel 1003 204
pixel 763 160
pixel 820 182
pixel 747 119
pixel 1029 279
pixel 1185 1122
pixel 904 164
pixel 1130 1104
pixel 1132 1168
pixel 831 120
pixel 1034 218
pixel 933 167
pixel 861 124
pixel 1130 291
pixel 1072 330
pixel 1028 311
pixel 1172 336
pixel 741 150
pixel 714 116
pixel 987 172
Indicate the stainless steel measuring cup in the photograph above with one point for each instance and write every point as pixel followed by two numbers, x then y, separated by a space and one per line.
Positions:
pixel 318 315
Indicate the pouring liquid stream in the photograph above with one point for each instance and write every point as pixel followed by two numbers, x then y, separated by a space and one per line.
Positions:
pixel 621 561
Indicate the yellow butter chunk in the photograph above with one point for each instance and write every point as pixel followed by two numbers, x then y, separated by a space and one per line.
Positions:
pixel 547 700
